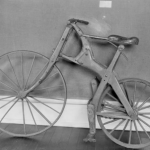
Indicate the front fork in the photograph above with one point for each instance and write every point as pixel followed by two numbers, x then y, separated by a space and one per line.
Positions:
pixel 91 111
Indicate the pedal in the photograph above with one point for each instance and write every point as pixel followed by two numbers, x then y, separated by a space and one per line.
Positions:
pixel 90 138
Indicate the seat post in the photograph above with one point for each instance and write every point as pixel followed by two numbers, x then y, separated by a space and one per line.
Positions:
pixel 115 58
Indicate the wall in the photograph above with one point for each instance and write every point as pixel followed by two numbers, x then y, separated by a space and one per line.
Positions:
pixel 37 25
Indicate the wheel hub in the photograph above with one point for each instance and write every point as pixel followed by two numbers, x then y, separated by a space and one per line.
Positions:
pixel 135 115
pixel 22 95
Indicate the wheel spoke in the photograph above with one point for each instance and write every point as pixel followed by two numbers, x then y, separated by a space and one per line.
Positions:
pixel 22 68
pixel 110 109
pixel 32 114
pixel 116 127
pixel 39 111
pixel 130 135
pixel 30 71
pixel 23 114
pixel 5 90
pixel 112 97
pixel 50 76
pixel 144 113
pixel 53 75
pixel 8 87
pixel 115 107
pixel 8 103
pixel 144 107
pixel 39 73
pixel 110 121
pixel 123 130
pixel 9 79
pixel 9 110
pixel 52 87
pixel 5 98
pixel 125 89
pixel 144 122
pixel 53 98
pixel 144 116
pixel 126 92
pixel 13 71
pixel 143 129
pixel 140 96
pixel 134 94
pixel 137 132
pixel 44 104
pixel 139 108
pixel 118 115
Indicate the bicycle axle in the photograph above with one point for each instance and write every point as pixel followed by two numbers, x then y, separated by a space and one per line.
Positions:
pixel 22 94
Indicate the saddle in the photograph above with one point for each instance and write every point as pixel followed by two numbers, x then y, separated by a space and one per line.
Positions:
pixel 120 40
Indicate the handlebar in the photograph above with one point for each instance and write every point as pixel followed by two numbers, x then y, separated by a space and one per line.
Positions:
pixel 78 20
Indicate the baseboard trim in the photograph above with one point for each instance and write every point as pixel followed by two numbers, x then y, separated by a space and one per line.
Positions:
pixel 74 115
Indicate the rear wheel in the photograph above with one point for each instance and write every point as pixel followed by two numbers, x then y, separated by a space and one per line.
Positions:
pixel 41 108
pixel 114 120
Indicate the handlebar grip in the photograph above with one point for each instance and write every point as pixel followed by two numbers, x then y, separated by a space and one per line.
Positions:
pixel 78 20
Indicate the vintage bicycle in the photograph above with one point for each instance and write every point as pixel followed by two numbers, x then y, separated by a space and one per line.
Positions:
pixel 121 106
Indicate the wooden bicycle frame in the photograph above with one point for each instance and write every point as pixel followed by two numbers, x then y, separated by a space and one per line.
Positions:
pixel 86 59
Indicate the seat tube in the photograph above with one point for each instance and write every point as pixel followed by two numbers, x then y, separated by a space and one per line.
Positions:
pixel 115 59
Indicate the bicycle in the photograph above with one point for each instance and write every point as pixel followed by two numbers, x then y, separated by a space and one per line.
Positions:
pixel 122 104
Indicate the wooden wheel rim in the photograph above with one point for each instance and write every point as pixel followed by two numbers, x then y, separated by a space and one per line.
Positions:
pixel 35 57
pixel 128 145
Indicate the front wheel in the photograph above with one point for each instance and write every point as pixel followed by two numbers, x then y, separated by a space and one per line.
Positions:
pixel 42 107
pixel 114 120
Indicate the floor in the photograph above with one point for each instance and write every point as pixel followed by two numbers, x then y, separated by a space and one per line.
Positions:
pixel 58 138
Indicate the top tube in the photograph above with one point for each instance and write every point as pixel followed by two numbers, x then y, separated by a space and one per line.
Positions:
pixel 73 23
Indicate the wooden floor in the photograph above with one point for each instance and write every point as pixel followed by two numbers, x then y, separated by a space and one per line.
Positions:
pixel 58 138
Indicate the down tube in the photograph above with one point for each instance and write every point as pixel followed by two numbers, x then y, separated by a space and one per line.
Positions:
pixel 87 61
pixel 118 90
